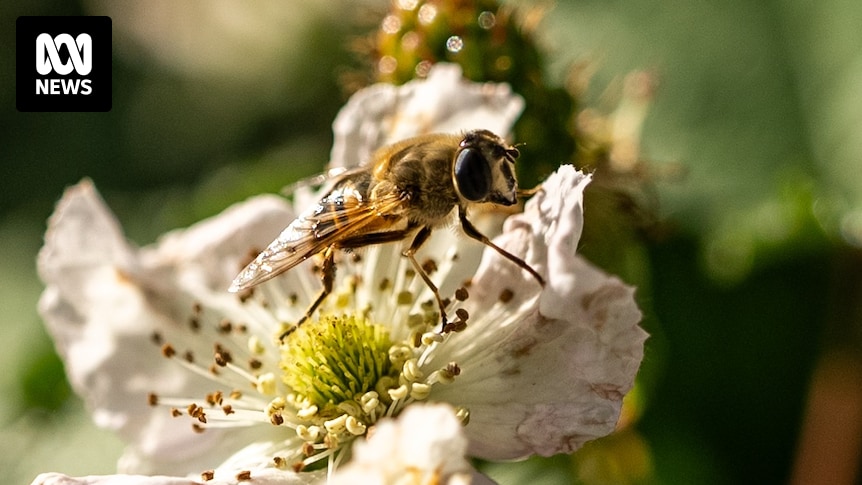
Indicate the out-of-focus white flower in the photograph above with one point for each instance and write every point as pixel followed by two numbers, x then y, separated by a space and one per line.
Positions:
pixel 425 445
pixel 529 369
pixel 444 102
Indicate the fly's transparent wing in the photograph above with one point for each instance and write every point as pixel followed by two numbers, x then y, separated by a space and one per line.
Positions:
pixel 340 214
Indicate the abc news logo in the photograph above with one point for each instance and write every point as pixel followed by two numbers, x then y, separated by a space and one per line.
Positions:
pixel 48 60
pixel 72 68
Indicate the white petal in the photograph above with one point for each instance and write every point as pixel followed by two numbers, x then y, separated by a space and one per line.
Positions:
pixel 82 234
pixel 269 477
pixel 103 301
pixel 445 102
pixel 219 245
pixel 60 479
pixel 546 371
pixel 425 441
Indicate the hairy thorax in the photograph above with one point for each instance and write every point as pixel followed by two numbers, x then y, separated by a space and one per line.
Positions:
pixel 427 184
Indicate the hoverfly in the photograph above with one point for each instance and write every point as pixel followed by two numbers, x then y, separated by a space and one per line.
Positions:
pixel 409 189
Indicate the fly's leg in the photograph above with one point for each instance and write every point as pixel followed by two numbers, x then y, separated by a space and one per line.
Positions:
pixel 410 254
pixel 474 233
pixel 328 277
pixel 328 268
pixel 356 242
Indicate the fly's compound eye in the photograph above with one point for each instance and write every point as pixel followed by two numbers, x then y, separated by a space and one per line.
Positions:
pixel 472 175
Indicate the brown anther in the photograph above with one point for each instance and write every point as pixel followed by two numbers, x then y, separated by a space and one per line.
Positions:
pixel 189 356
pixel 254 364
pixel 429 266
pixel 308 449
pixel 156 338
pixel 213 369
pixel 236 394
pixel 228 409
pixel 461 294
pixel 276 419
pixel 293 298
pixel 152 399
pixel 176 413
pixel 194 323
pixel 245 294
pixel 298 467
pixel 168 351
pixel 197 308
pixel 462 314
pixel 197 412
pixel 198 428
pixel 453 369
pixel 467 283
pixel 222 356
pixel 214 398
pixel 243 476
pixel 208 475
pixel 225 326
pixel 456 326
pixel 385 284
pixel 506 295
pixel 279 461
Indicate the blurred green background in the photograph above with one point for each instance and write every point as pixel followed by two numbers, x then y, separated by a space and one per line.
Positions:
pixel 751 279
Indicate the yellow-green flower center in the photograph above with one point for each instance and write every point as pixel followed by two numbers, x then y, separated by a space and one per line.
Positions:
pixel 335 359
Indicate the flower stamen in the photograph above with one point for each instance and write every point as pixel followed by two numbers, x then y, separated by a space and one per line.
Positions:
pixel 336 375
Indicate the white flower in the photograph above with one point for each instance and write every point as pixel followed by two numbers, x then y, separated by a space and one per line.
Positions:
pixel 106 301
pixel 444 102
pixel 425 445
pixel 530 370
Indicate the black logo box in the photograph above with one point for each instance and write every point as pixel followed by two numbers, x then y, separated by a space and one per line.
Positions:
pixel 27 29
